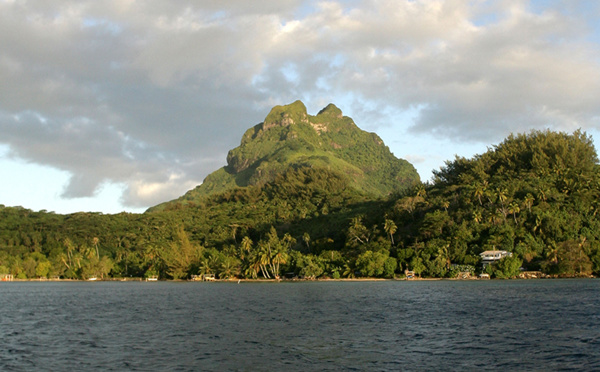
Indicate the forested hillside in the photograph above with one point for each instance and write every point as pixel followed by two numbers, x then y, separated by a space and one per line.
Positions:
pixel 535 195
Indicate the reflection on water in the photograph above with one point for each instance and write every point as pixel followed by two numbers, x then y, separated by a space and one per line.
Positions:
pixel 439 325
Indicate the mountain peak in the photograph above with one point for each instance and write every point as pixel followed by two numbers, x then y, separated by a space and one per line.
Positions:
pixel 283 116
pixel 331 110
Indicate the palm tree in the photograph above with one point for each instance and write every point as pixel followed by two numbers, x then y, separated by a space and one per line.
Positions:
pixel 478 193
pixel 306 239
pixel 421 192
pixel 444 255
pixel 229 267
pixel 89 252
pixel 349 270
pixel 552 253
pixel 205 267
pixel 496 217
pixel 264 258
pixel 543 194
pixel 390 228
pixel 234 229
pixel 529 201
pixel 358 231
pixel 288 240
pixel 95 241
pixel 63 258
pixel 245 247
pixel 501 193
pixel 538 224
pixel 70 249
pixel 77 258
pixel 214 261
pixel 513 208
pixel 280 256
pixel 253 265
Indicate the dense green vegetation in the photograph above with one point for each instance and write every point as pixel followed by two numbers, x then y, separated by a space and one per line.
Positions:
pixel 535 195
pixel 290 138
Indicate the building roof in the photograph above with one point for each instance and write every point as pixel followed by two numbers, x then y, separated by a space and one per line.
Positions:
pixel 487 253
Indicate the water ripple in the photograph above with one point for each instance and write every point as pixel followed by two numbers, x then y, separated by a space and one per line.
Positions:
pixel 325 326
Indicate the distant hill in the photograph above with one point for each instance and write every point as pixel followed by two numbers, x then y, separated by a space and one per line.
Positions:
pixel 289 138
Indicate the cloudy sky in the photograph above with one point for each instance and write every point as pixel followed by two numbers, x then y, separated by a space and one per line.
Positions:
pixel 119 105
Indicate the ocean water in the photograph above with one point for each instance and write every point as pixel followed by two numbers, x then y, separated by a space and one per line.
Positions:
pixel 535 325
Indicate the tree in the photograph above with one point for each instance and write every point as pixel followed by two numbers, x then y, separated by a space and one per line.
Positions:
pixel 390 228
pixel 29 266
pixel 477 216
pixel 529 201
pixel 306 239
pixel 357 232
pixel 513 208
pixel 479 192
pixel 311 267
pixel 502 195
pixel 253 267
pixel 410 204
pixel 180 255
pixel 443 254
pixel 95 242
pixel 43 268
pixel 389 267
pixel 152 256
pixel 280 256
pixel 572 260
pixel 230 267
pixel 349 269
pixel 105 266
pixel 417 265
pixel 245 247
pixel 371 264
pixel 264 258
pixel 543 194
pixel 507 267
pixel 70 249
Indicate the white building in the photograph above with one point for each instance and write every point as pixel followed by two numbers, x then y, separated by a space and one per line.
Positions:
pixel 489 257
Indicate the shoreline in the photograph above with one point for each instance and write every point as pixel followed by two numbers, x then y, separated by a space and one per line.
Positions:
pixel 287 280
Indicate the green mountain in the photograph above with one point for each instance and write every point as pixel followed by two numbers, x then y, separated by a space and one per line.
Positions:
pixel 289 138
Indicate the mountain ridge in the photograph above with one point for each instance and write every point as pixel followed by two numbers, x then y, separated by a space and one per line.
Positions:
pixel 291 138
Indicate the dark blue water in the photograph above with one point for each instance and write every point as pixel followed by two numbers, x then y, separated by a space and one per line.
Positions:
pixel 309 326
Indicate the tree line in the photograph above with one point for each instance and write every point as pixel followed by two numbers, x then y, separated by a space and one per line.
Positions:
pixel 534 195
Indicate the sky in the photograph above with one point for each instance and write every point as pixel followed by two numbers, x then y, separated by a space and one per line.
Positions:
pixel 118 105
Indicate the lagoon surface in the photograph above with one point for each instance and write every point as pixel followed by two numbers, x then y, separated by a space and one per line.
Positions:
pixel 300 326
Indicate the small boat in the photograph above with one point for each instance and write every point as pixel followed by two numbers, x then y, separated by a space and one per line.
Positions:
pixel 92 278
pixel 152 278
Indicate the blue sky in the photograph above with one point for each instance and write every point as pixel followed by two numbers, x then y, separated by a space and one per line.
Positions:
pixel 119 105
